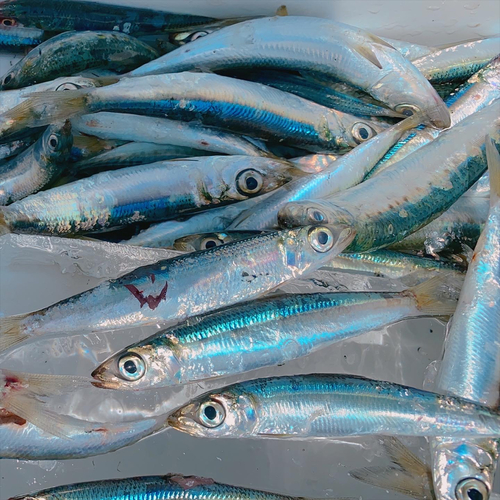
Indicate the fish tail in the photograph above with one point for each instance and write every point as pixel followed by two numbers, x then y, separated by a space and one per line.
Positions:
pixel 4 226
pixel 493 158
pixel 438 296
pixel 11 332
pixel 23 393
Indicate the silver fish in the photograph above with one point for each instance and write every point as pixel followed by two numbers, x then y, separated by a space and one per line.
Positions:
pixel 129 127
pixel 410 194
pixel 35 167
pixel 330 406
pixel 234 105
pixel 266 332
pixel 308 43
pixel 466 469
pixel 197 242
pixel 186 285
pixel 145 193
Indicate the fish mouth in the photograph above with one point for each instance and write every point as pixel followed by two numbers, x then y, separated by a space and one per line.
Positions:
pixel 439 114
pixel 103 382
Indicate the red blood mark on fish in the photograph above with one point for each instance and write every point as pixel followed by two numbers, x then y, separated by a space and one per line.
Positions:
pixel 204 143
pixel 188 482
pixel 153 278
pixel 6 417
pixel 152 301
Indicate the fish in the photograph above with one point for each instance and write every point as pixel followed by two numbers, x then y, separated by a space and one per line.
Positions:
pixel 197 242
pixel 458 62
pixel 462 468
pixel 233 105
pixel 343 173
pixel 37 166
pixel 479 91
pixel 22 440
pixel 311 44
pixel 410 194
pixel 15 147
pixel 148 193
pixel 60 15
pixel 165 234
pixel 184 286
pixel 86 147
pixel 314 163
pixel 481 187
pixel 23 398
pixel 70 53
pixel 460 225
pixel 131 154
pixel 330 406
pixel 169 487
pixel 130 127
pixel 265 332
pixel 13 35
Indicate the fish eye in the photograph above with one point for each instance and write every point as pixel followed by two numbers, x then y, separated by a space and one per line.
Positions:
pixel 8 78
pixel 207 243
pixel 406 109
pixel 471 489
pixel 249 182
pixel 211 414
pixel 68 86
pixel 198 34
pixel 320 238
pixel 53 141
pixel 362 132
pixel 131 367
pixel 8 22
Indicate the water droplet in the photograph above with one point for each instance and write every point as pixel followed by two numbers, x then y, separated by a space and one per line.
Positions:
pixel 433 7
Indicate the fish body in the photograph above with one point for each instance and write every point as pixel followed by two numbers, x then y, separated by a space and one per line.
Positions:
pixel 146 193
pixel 185 286
pixel 310 44
pixel 266 332
pixel 233 105
pixel 458 62
pixel 471 361
pixel 15 147
pixel 411 193
pixel 60 15
pixel 479 91
pixel 20 36
pixel 73 52
pixel 330 406
pixel 38 165
pixel 461 224
pixel 169 487
pixel 129 127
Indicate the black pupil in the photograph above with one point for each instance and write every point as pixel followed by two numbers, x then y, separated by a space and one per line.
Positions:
pixel 363 133
pixel 53 142
pixel 251 183
pixel 8 78
pixel 7 22
pixel 318 215
pixel 322 238
pixel 210 244
pixel 409 112
pixel 130 367
pixel 210 412
pixel 474 494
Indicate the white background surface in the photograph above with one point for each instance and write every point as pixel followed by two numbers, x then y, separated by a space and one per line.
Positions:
pixel 401 353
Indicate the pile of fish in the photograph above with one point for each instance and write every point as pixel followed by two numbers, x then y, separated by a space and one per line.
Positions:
pixel 260 151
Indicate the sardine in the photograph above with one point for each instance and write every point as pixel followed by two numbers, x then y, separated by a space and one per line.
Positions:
pixel 145 193
pixel 13 35
pixel 410 194
pixel 73 52
pixel 16 147
pixel 458 62
pixel 129 127
pixel 37 166
pixel 471 361
pixel 197 242
pixel 266 332
pixel 185 286
pixel 169 487
pixel 345 172
pixel 234 105
pixel 61 15
pixel 330 406
pixel 311 44
pixel 314 163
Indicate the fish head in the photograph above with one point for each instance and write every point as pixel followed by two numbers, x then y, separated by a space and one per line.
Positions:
pixel 246 179
pixel 357 130
pixel 206 241
pixel 464 469
pixel 404 89
pixel 142 366
pixel 57 141
pixel 231 413
pixel 308 212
